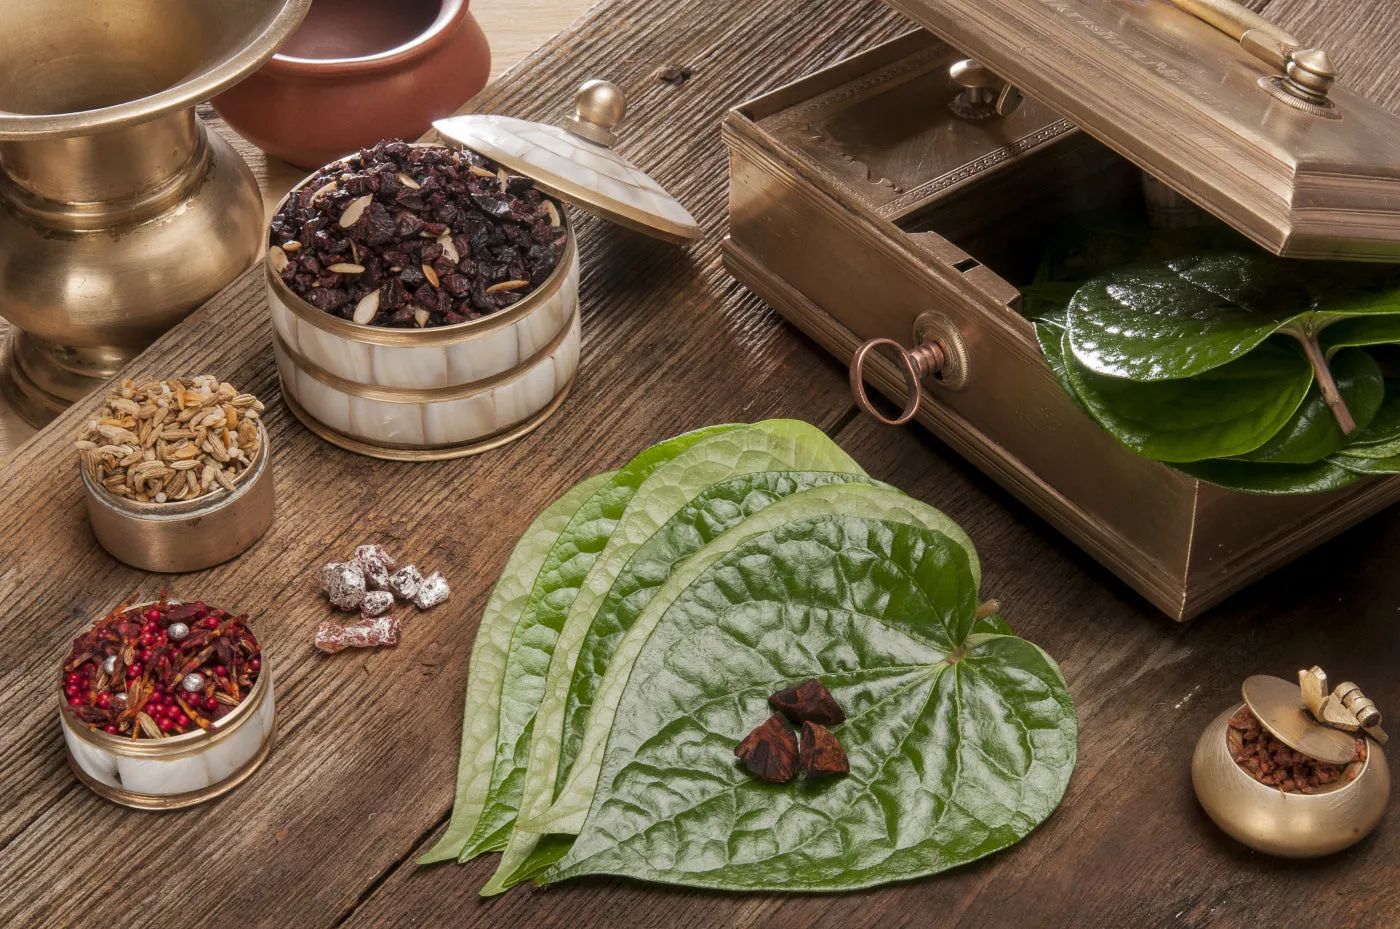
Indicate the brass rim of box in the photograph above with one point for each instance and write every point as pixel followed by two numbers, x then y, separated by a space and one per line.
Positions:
pixel 183 509
pixel 423 394
pixel 420 452
pixel 437 335
pixel 178 746
pixel 142 801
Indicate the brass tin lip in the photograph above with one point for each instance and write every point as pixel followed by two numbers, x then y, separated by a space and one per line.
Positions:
pixel 425 452
pixel 437 335
pixel 179 746
pixel 240 64
pixel 184 509
pixel 1331 790
pixel 415 395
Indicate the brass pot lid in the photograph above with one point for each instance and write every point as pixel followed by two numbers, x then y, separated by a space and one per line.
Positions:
pixel 576 163
pixel 1279 706
pixel 1222 106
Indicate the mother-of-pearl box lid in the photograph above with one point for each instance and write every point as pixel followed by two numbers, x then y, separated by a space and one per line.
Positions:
pixel 576 162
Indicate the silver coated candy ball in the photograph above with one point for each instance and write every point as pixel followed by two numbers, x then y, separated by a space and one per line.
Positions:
pixel 109 665
pixel 177 632
pixel 193 682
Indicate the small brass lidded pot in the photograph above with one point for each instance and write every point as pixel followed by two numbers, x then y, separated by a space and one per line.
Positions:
pixel 1294 771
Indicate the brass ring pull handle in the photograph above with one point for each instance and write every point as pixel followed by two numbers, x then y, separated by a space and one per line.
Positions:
pixel 1306 73
pixel 939 352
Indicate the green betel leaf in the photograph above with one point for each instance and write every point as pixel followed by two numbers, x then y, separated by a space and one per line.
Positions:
pixel 1181 317
pixel 532 637
pixel 1271 479
pixel 1224 411
pixel 960 743
pixel 1381 437
pixel 1313 434
pixel 488 663
pixel 1362 466
pixel 581 658
pixel 573 799
pixel 767 445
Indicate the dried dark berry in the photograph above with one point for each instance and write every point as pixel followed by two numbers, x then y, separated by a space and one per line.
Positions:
pixel 822 754
pixel 809 700
pixel 770 751
pixel 417 195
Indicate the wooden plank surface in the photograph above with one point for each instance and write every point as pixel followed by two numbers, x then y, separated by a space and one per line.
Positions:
pixel 360 781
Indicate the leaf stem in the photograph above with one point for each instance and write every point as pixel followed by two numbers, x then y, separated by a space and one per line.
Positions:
pixel 1325 381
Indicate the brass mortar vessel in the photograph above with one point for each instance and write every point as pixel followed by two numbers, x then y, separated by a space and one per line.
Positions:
pixel 119 212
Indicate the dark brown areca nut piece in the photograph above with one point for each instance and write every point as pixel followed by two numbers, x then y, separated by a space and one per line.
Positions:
pixel 809 700
pixel 770 751
pixel 822 754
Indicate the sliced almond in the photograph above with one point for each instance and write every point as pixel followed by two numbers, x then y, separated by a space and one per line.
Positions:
pixel 448 249
pixel 345 267
pixel 277 259
pixel 479 171
pixel 552 212
pixel 322 191
pixel 367 308
pixel 355 210
pixel 409 182
pixel 506 285
pixel 430 274
pixel 502 178
pixel 291 246
pixel 421 317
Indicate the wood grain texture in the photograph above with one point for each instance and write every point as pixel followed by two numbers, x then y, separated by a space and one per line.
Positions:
pixel 360 781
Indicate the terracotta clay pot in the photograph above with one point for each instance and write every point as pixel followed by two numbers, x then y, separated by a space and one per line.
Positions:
pixel 358 71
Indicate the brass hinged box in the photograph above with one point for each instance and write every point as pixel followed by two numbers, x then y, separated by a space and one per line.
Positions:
pixel 864 206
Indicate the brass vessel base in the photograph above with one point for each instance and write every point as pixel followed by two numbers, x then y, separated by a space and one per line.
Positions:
pixel 433 453
pixel 35 405
pixel 139 801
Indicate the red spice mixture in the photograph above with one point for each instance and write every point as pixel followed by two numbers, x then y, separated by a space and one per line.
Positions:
pixel 160 670
pixel 1272 763
pixel 412 236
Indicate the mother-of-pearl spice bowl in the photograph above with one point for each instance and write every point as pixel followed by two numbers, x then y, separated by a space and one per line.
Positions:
pixel 420 394
pixel 178 771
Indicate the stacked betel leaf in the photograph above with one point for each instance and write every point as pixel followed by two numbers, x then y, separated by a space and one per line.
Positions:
pixel 643 621
pixel 1199 350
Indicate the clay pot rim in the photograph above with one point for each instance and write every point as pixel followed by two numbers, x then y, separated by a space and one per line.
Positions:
pixel 438 33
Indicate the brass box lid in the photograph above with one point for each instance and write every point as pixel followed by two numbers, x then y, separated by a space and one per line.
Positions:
pixel 1200 107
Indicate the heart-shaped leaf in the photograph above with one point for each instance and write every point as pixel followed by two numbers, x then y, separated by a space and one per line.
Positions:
pixel 1271 479
pixel 1313 434
pixel 959 743
pixel 1224 411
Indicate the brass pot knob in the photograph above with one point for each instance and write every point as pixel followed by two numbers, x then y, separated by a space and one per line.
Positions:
pixel 598 107
pixel 939 352
pixel 983 93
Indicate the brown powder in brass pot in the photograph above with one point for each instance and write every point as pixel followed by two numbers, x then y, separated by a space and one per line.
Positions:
pixel 1273 764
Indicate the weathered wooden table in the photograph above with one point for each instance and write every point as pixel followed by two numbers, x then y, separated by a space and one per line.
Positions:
pixel 361 779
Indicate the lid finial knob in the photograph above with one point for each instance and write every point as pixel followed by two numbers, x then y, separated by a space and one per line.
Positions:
pixel 598 107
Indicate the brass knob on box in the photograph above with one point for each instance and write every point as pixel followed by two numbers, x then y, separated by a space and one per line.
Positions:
pixel 939 351
pixel 983 93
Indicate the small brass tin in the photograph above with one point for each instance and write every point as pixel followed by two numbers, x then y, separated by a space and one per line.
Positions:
pixel 1289 825
pixel 182 770
pixel 173 538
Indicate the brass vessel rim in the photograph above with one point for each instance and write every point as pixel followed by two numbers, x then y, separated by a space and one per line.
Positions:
pixel 23 127
pixel 177 746
pixel 414 395
pixel 183 509
pixel 437 335
pixel 1329 791
pixel 431 38
pixel 465 449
